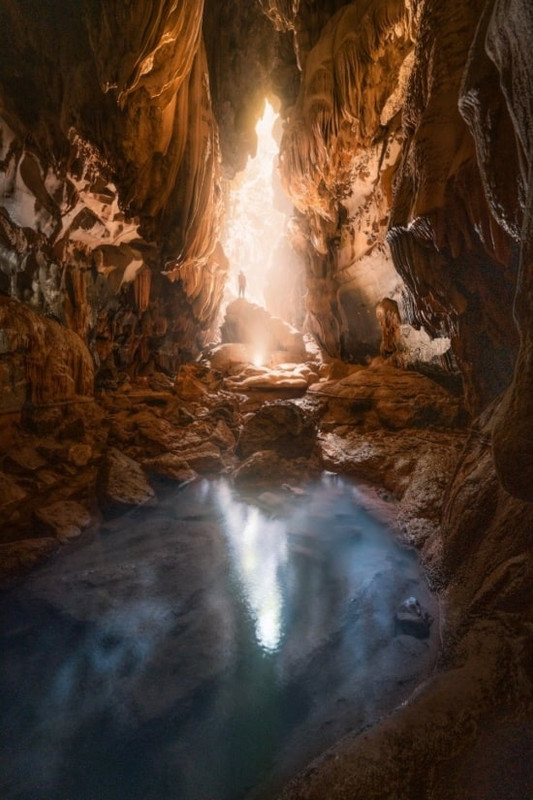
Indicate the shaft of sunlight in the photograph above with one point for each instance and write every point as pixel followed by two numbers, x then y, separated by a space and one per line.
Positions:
pixel 253 226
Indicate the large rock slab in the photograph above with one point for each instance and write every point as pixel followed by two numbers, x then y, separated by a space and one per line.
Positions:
pixel 121 483
pixel 383 396
pixel 266 379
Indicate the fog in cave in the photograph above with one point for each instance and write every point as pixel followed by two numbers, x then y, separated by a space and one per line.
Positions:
pixel 238 528
pixel 217 658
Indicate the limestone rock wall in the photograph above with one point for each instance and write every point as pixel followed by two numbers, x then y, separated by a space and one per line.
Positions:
pixel 338 152
pixel 41 362
pixel 404 152
pixel 109 175
pixel 509 49
pixel 459 262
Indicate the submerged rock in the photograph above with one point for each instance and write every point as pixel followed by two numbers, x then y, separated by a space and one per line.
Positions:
pixel 411 619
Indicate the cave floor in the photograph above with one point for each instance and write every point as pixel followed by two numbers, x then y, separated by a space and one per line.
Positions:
pixel 70 474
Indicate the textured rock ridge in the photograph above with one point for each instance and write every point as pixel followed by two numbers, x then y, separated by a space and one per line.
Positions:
pixel 337 156
pixel 110 175
pixel 510 52
pixel 459 263
pixel 41 363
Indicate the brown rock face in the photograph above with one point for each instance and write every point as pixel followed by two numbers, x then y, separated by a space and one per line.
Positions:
pixel 456 259
pixel 280 426
pixel 110 162
pixel 337 155
pixel 41 363
pixel 510 52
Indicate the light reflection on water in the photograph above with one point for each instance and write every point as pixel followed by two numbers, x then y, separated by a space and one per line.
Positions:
pixel 258 546
pixel 201 649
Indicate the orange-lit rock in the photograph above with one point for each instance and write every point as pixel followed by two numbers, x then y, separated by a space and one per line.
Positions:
pixel 41 362
pixel 407 152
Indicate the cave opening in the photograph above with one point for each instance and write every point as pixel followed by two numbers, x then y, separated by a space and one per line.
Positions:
pixel 263 305
pixel 255 213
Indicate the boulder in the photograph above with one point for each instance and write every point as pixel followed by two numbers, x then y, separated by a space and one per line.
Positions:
pixel 411 619
pixel 79 455
pixel 10 493
pixel 205 458
pixel 193 381
pixel 23 459
pixel 121 483
pixel 384 396
pixel 20 556
pixel 226 357
pixel 170 466
pixel 152 429
pixel 65 519
pixel 281 426
pixel 250 324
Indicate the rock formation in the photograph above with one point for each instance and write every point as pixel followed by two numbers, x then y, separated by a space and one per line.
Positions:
pixel 407 152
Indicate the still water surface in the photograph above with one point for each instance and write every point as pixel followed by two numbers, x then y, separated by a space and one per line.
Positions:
pixel 205 649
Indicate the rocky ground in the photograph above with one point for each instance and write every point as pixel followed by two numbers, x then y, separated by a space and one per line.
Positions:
pixel 67 467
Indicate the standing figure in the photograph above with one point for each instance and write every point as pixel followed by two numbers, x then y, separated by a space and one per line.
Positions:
pixel 242 283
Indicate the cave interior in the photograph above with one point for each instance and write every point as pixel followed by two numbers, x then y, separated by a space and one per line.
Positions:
pixel 385 331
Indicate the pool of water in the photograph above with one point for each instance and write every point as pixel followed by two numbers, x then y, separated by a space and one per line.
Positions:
pixel 205 649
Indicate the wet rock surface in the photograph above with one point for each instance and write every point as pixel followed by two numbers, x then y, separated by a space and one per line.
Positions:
pixel 482 679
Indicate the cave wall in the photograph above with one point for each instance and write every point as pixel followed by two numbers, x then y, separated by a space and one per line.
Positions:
pixel 110 176
pixel 459 262
pixel 402 156
pixel 340 145
pixel 406 151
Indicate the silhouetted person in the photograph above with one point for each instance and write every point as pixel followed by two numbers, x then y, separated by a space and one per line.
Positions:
pixel 242 283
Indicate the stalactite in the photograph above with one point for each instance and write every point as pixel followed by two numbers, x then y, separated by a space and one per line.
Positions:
pixel 141 287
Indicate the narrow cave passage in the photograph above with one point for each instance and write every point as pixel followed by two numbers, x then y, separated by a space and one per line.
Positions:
pixel 256 215
pixel 263 307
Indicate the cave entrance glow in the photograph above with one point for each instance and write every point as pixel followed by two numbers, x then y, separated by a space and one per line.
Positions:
pixel 255 218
